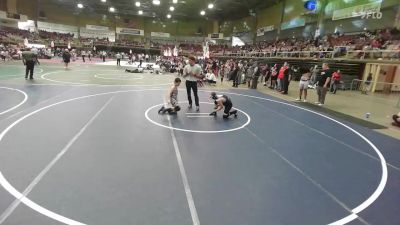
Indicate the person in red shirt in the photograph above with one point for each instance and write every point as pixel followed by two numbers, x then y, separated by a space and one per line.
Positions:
pixel 281 76
pixel 336 81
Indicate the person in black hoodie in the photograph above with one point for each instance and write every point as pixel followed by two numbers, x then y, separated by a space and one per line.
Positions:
pixel 235 75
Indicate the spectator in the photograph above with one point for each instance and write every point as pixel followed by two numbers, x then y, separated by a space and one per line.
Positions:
pixel 336 81
pixel 304 81
pixel 283 75
pixel 323 80
pixel 66 58
pixel 396 120
pixel 256 70
pixel 367 84
pixel 274 77
pixel 118 56
pixel 210 77
pixel 83 54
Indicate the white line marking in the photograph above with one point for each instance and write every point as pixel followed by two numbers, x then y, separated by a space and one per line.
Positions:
pixel 23 101
pixel 325 135
pixel 188 192
pixel 197 131
pixel 118 77
pixel 40 176
pixel 8 187
pixel 200 116
pixel 378 191
pixel 197 113
pixel 18 195
pixel 43 76
pixel 308 177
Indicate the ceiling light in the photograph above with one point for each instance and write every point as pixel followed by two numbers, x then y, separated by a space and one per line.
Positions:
pixel 137 4
pixel 171 8
pixel 111 9
pixel 80 6
pixel 140 12
pixel 169 16
pixel 174 1
pixel 103 0
pixel 156 2
pixel 203 12
pixel 210 6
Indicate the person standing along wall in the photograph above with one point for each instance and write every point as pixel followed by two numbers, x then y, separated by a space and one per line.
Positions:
pixel 303 85
pixel 83 54
pixel 118 56
pixel 281 76
pixel 323 81
pixel 367 84
pixel 336 81
pixel 256 75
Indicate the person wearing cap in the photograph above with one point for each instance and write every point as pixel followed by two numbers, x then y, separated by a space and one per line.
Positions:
pixel 222 101
pixel 29 58
pixel 191 73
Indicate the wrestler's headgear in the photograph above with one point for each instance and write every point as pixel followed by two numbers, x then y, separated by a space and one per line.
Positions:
pixel 213 95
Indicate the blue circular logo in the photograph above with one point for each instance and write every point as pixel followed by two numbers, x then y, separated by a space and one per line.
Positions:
pixel 311 5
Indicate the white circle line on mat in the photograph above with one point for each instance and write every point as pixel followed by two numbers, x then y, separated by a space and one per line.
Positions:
pixel 18 195
pixel 197 131
pixel 19 104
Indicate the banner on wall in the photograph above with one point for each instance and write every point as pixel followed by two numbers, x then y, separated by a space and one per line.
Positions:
pixel 297 22
pixel 97 34
pixel 261 31
pixel 3 14
pixel 95 27
pixel 216 36
pixel 160 34
pixel 59 28
pixel 356 11
pixel 13 16
pixel 129 31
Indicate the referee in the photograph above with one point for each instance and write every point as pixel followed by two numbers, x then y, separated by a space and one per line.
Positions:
pixel 192 72
pixel 29 58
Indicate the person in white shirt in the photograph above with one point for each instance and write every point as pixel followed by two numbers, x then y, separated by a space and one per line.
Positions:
pixel 83 54
pixel 210 77
pixel 3 55
pixel 192 72
pixel 118 56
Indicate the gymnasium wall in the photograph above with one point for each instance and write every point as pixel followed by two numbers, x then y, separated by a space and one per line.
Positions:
pixel 175 28
pixel 293 12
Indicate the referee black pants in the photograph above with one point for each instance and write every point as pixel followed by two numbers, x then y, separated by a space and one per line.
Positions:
pixel 30 65
pixel 192 85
